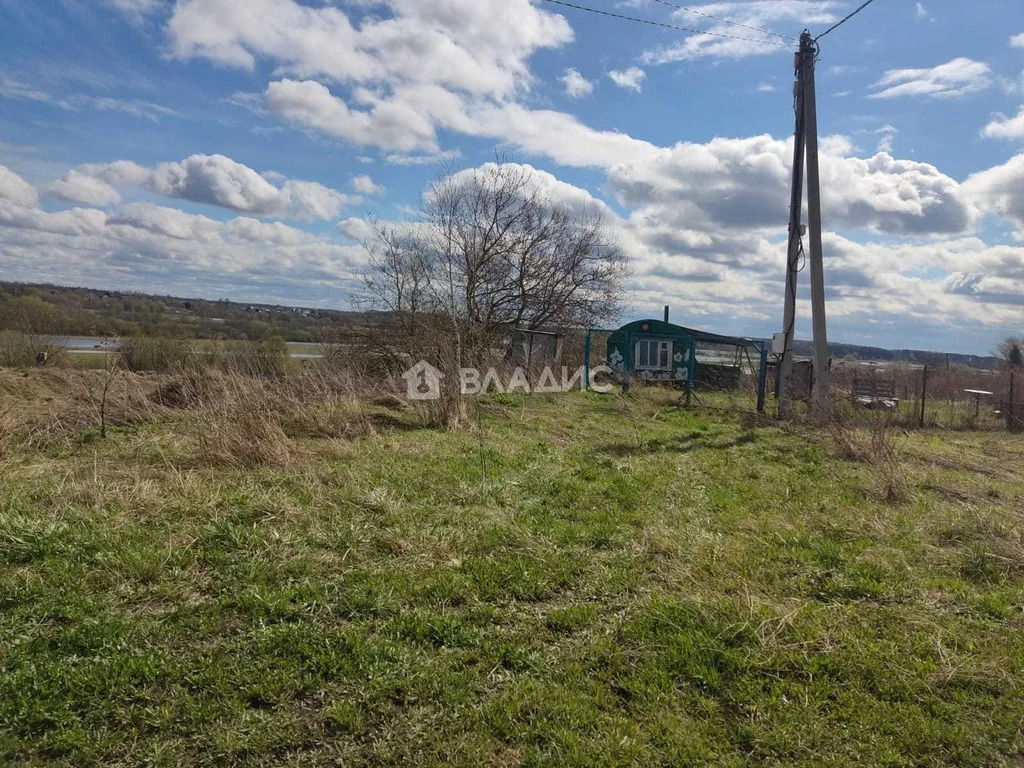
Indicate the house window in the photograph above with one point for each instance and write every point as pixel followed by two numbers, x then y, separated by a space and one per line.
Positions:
pixel 652 354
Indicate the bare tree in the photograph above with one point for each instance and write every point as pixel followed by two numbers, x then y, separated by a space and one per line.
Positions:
pixel 1011 351
pixel 491 252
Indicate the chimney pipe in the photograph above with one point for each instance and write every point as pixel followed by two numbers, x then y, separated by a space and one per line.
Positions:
pixel 666 313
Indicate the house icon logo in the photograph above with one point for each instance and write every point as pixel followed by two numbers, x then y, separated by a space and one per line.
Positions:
pixel 423 382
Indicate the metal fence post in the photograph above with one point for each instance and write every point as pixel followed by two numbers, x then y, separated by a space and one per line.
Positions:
pixel 924 393
pixel 1011 417
pixel 586 361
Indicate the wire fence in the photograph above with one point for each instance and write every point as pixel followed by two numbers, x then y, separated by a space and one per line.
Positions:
pixel 939 397
pixel 948 398
pixel 933 398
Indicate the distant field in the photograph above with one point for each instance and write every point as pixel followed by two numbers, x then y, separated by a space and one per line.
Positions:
pixel 84 352
pixel 575 580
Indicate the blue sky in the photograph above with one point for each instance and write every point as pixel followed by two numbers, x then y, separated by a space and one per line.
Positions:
pixel 236 149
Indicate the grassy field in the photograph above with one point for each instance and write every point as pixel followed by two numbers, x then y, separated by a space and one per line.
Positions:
pixel 578 580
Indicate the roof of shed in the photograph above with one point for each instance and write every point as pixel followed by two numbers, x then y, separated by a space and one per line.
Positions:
pixel 660 326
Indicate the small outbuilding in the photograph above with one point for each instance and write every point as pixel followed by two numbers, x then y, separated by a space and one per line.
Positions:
pixel 659 351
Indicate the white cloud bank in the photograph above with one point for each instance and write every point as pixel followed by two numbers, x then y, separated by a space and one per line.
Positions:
pixel 142 244
pixel 480 47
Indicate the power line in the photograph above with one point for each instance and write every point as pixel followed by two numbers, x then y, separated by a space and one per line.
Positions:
pixel 661 23
pixel 843 21
pixel 724 21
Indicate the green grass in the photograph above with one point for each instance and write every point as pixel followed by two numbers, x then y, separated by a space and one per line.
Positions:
pixel 576 581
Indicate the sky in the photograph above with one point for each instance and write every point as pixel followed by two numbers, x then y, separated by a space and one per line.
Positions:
pixel 220 148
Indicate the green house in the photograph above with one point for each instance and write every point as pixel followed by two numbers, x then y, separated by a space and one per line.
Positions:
pixel 653 350
pixel 659 351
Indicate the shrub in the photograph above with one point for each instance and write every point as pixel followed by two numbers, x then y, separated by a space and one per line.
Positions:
pixel 22 350
pixel 149 353
pixel 258 359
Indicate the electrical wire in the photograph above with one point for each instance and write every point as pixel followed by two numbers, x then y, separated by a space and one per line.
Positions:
pixel 662 24
pixel 724 21
pixel 840 23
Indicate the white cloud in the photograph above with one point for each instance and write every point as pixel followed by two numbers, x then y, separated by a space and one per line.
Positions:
pixel 219 180
pixel 150 247
pixel 18 91
pixel 1003 127
pixel 404 121
pixel 1000 190
pixel 730 186
pixel 16 189
pixel 556 135
pixel 1017 41
pixel 887 138
pixel 922 12
pixel 628 78
pixel 357 230
pixel 79 187
pixel 480 47
pixel 738 42
pixel 409 119
pixel 548 186
pixel 365 185
pixel 76 222
pixel 576 85
pixel 953 79
pixel 136 9
pixel 144 109
pixel 440 158
pixel 764 88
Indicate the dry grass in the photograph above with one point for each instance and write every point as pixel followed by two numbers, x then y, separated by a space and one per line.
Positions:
pixel 878 446
pixel 8 428
pixel 234 420
pixel 54 406
pixel 244 434
pixel 245 422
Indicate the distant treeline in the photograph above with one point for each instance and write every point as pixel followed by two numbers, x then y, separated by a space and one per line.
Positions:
pixel 55 310
pixel 916 356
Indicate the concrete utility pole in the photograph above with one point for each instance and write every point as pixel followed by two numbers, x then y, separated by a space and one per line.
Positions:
pixel 805 138
pixel 796 201
pixel 822 399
